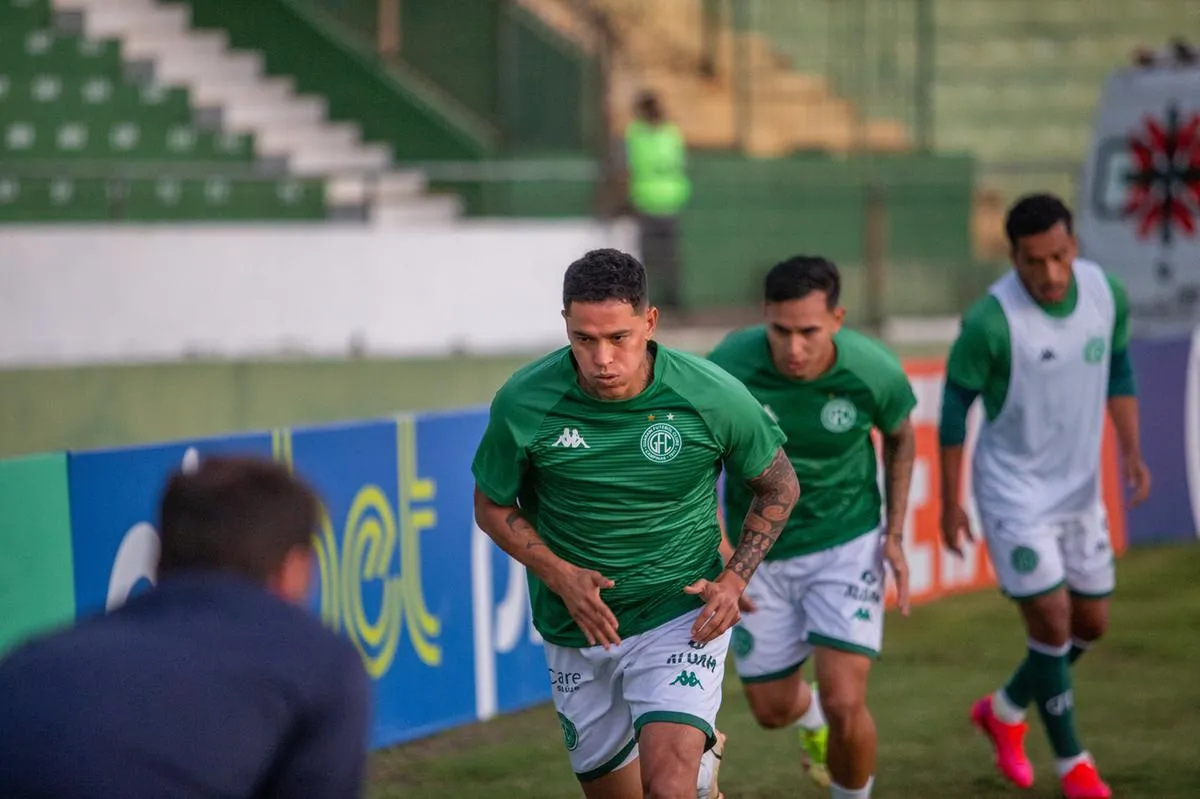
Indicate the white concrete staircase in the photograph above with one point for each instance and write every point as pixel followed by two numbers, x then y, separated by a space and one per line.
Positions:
pixel 232 87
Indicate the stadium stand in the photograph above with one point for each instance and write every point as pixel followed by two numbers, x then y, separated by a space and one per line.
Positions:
pixel 118 109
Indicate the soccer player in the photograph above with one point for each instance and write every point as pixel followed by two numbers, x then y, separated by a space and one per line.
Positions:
pixel 216 683
pixel 821 590
pixel 598 472
pixel 1047 351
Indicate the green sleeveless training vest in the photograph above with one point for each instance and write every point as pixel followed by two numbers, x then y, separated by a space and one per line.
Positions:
pixel 656 154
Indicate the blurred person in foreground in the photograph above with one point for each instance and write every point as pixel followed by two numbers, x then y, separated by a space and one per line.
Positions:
pixel 821 590
pixel 653 161
pixel 215 683
pixel 1047 350
pixel 598 472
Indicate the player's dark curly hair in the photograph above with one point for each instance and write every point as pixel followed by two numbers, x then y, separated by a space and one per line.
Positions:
pixel 602 275
pixel 1034 214
pixel 801 275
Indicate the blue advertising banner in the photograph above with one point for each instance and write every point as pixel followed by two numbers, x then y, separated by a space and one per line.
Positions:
pixel 440 615
pixel 1168 374
pixel 114 508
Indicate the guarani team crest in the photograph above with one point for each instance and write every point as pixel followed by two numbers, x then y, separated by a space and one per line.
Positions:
pixel 838 415
pixel 661 442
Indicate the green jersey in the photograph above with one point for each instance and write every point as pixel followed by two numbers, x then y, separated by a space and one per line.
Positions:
pixel 625 487
pixel 828 424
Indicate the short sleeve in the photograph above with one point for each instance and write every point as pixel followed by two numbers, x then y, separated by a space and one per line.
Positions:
pixel 747 433
pixel 501 458
pixel 973 355
pixel 1120 339
pixel 894 399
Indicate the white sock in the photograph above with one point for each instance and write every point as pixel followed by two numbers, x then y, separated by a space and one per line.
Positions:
pixel 838 792
pixel 708 764
pixel 1067 763
pixel 1005 710
pixel 813 718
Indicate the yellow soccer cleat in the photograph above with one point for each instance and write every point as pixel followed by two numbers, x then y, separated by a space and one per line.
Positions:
pixel 813 745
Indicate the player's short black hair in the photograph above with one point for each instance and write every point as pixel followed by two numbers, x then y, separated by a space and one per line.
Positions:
pixel 234 514
pixel 801 275
pixel 607 274
pixel 1034 214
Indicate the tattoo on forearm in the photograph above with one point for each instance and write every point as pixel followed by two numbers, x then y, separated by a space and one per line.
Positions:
pixel 522 528
pixel 899 452
pixel 775 493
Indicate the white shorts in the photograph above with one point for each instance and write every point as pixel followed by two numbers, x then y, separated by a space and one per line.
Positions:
pixel 832 598
pixel 604 698
pixel 1034 559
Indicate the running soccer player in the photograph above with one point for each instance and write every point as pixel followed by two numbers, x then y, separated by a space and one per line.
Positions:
pixel 821 590
pixel 598 472
pixel 1047 351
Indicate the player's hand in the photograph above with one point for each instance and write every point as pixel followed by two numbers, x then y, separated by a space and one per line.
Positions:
pixel 893 553
pixel 580 592
pixel 1137 477
pixel 720 612
pixel 956 529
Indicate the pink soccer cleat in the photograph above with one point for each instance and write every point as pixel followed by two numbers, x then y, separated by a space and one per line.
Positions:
pixel 1083 782
pixel 1008 743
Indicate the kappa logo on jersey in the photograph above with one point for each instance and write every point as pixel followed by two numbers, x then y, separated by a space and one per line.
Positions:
pixel 838 415
pixel 570 438
pixel 661 442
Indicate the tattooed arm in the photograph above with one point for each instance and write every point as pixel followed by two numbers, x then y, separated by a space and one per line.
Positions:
pixel 775 494
pixel 578 588
pixel 899 451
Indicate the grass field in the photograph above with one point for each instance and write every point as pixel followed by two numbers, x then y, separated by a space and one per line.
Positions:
pixel 1137 696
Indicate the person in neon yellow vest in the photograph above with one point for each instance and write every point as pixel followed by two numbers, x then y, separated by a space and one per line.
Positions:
pixel 658 190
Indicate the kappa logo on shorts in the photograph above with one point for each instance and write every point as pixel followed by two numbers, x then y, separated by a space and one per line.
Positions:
pixel 687 679
pixel 1024 560
pixel 838 415
pixel 661 442
pixel 570 734
pixel 862 614
pixel 742 643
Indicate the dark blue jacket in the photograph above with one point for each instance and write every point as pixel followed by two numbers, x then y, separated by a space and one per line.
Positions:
pixel 206 686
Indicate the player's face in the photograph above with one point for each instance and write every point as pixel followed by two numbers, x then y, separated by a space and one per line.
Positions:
pixel 801 332
pixel 609 341
pixel 1043 262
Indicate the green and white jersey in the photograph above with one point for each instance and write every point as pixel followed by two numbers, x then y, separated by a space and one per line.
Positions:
pixel 1043 373
pixel 625 487
pixel 828 425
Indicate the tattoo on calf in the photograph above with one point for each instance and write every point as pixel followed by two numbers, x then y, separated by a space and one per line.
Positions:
pixel 775 493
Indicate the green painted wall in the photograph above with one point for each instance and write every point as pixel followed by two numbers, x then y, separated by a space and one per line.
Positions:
pixel 37 588
pixel 50 409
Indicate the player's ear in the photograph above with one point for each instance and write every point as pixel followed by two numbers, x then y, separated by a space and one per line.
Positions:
pixel 293 579
pixel 651 320
pixel 839 317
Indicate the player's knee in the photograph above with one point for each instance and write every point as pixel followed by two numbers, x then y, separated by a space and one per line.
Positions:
pixel 772 717
pixel 673 783
pixel 843 707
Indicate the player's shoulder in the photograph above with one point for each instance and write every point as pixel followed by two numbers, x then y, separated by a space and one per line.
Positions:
pixel 539 382
pixel 1101 276
pixel 688 373
pixel 740 349
pixel 984 318
pixel 861 351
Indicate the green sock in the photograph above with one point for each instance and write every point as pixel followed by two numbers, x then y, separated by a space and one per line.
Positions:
pixel 1019 688
pixel 1050 677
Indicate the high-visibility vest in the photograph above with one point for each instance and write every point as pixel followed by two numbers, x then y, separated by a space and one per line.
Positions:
pixel 658 184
